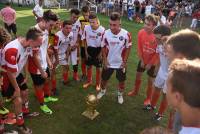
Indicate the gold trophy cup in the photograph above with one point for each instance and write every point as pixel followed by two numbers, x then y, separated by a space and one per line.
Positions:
pixel 91 112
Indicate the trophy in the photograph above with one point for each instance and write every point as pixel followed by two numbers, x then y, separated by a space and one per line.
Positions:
pixel 90 112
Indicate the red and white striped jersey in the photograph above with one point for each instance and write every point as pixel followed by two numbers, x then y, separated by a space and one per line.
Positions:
pixel 115 46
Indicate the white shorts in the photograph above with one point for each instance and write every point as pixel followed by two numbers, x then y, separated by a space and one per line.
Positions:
pixel 73 57
pixel 194 23
pixel 160 83
pixel 63 60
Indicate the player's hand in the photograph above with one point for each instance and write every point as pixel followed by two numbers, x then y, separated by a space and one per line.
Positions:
pixel 148 66
pixel 78 60
pixel 73 48
pixel 44 75
pixel 25 81
pixel 105 64
pixel 16 92
pixel 142 64
pixel 1 82
pixel 50 66
pixel 55 64
pixel 123 65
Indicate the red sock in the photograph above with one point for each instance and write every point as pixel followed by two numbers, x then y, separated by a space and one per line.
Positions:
pixel 137 85
pixel 149 90
pixel 46 89
pixel 65 77
pixel 98 76
pixel 89 74
pixel 53 84
pixel 155 97
pixel 40 95
pixel 83 68
pixel 163 106
pixel 121 86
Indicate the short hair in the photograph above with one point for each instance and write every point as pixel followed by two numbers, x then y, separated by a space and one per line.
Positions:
pixel 185 42
pixel 7 4
pixel 93 15
pixel 66 22
pixel 185 80
pixel 49 15
pixel 156 130
pixel 85 9
pixel 164 30
pixel 5 37
pixel 33 34
pixel 75 11
pixel 152 18
pixel 115 16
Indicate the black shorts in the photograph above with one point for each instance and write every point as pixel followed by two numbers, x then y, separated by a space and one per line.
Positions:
pixel 83 52
pixel 11 28
pixel 93 57
pixel 120 74
pixel 10 89
pixel 37 78
pixel 151 72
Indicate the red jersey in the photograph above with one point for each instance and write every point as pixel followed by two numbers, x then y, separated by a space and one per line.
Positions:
pixel 147 48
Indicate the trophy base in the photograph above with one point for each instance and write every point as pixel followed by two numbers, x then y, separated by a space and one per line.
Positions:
pixel 90 115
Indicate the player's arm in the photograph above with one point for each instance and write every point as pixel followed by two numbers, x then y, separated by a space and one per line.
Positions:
pixel 139 47
pixel 55 49
pixel 127 49
pixel 49 62
pixel 104 51
pixel 36 60
pixel 26 73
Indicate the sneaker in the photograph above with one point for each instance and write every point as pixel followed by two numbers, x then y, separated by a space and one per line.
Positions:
pixel 4 111
pixel 8 100
pixel 55 92
pixel 98 87
pixel 45 109
pixel 149 108
pixel 24 130
pixel 65 82
pixel 147 102
pixel 10 132
pixel 120 97
pixel 76 78
pixel 132 93
pixel 101 94
pixel 86 85
pixel 50 99
pixel 158 117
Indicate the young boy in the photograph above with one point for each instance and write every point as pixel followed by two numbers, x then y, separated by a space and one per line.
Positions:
pixel 161 33
pixel 183 44
pixel 183 93
pixel 148 57
pixel 84 20
pixel 116 46
pixel 92 36
pixel 65 41
pixel 39 63
pixel 74 55
pixel 15 55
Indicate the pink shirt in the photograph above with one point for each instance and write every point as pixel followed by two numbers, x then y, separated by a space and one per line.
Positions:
pixel 8 14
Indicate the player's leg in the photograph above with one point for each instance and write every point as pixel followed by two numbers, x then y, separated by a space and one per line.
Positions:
pixel 105 76
pixel 74 61
pixel 138 80
pixel 121 77
pixel 83 65
pixel 98 78
pixel 65 74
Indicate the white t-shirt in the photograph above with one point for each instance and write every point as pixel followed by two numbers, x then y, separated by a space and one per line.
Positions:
pixel 164 62
pixel 63 43
pixel 163 20
pixel 38 10
pixel 115 45
pixel 189 130
pixel 148 9
pixel 76 29
pixel 93 37
pixel 43 48
pixel 15 56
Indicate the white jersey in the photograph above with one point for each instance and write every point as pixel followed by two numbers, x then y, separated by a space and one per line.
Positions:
pixel 189 130
pixel 93 37
pixel 38 10
pixel 76 29
pixel 15 56
pixel 164 62
pixel 43 48
pixel 115 45
pixel 63 43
